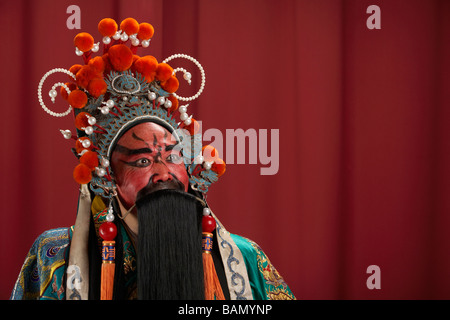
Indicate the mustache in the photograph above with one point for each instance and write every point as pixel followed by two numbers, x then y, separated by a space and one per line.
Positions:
pixel 174 184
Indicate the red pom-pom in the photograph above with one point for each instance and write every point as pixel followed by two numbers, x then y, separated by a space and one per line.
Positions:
pixel 218 166
pixel 210 153
pixel 79 146
pixel 86 74
pixel 107 27
pixel 163 72
pixel 107 231
pixel 97 87
pixel 146 31
pixel 82 174
pixel 81 120
pixel 74 69
pixel 72 86
pixel 171 85
pixel 146 66
pixel 77 99
pixel 98 64
pixel 174 101
pixel 108 66
pixel 130 26
pixel 84 41
pixel 121 57
pixel 208 224
pixel 90 159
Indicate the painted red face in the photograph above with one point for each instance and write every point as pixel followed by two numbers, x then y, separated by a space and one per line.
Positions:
pixel 147 158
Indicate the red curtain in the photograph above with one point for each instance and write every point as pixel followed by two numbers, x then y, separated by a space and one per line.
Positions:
pixel 363 118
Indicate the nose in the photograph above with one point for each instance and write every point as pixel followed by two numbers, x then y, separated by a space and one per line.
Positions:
pixel 161 174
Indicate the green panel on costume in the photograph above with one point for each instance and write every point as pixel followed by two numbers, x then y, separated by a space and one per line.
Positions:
pixel 265 281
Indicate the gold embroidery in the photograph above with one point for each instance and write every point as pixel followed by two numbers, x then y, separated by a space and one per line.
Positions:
pixel 280 294
pixel 277 288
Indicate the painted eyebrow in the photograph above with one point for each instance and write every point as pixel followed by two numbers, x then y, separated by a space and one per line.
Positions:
pixel 134 135
pixel 129 152
pixel 170 147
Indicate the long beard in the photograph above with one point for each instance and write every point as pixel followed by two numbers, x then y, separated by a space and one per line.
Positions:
pixel 169 256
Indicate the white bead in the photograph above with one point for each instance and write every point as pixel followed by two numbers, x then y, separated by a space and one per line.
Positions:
pixel 187 76
pixel 206 212
pixel 86 143
pixel 167 104
pixel 104 162
pixel 188 121
pixel 104 110
pixel 124 37
pixel 52 93
pixel 152 96
pixel 182 109
pixel 116 36
pixel 133 36
pixel 207 165
pixel 78 52
pixel 110 103
pixel 92 120
pixel 145 43
pixel 161 100
pixel 89 130
pixel 183 116
pixel 100 171
pixel 110 217
pixel 66 134
pixel 135 42
pixel 95 47
pixel 106 40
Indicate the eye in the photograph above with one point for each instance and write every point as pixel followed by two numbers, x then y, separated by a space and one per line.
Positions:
pixel 174 158
pixel 142 163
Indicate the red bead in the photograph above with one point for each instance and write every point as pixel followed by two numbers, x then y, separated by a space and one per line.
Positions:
pixel 108 231
pixel 208 224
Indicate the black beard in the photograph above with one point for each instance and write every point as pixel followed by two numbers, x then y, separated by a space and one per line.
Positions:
pixel 169 253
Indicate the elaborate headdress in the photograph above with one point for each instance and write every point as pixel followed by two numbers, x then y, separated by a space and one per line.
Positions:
pixel 112 92
pixel 118 89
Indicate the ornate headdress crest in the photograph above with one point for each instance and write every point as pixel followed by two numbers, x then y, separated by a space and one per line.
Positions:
pixel 118 89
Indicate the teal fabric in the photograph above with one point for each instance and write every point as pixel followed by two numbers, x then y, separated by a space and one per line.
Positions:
pixel 265 281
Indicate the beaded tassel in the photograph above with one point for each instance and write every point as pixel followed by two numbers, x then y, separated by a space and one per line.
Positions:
pixel 213 290
pixel 108 232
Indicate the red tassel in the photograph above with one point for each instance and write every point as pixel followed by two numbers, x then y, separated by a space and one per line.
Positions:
pixel 108 267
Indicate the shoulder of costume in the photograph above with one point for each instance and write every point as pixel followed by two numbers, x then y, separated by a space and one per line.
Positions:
pixel 43 266
pixel 266 282
pixel 52 243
